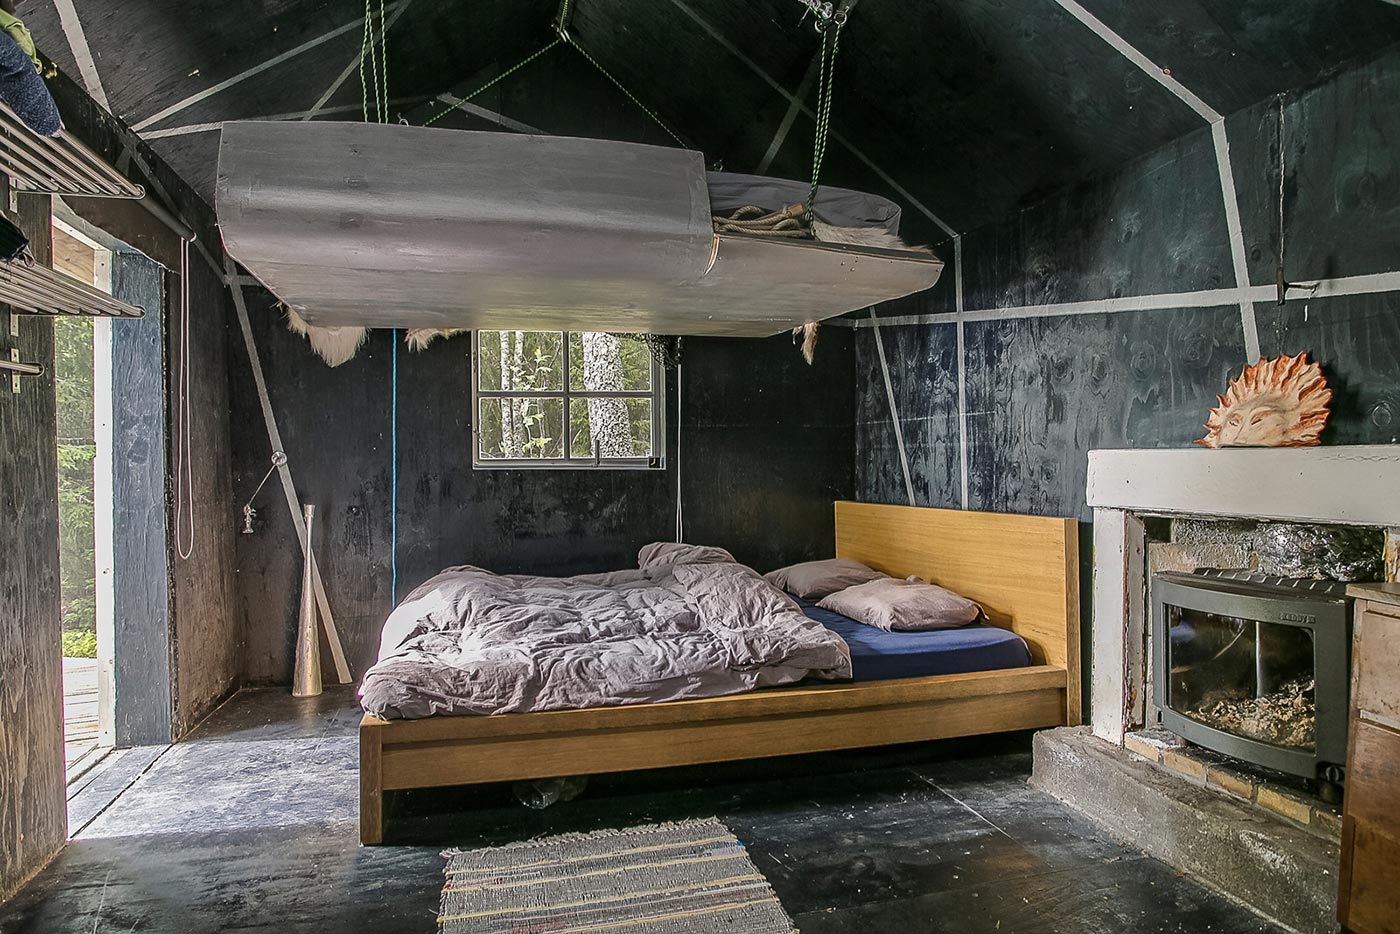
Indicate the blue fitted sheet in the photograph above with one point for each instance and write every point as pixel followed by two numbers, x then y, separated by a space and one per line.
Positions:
pixel 877 655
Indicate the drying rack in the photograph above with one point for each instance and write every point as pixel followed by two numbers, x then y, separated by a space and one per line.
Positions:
pixel 38 290
pixel 58 165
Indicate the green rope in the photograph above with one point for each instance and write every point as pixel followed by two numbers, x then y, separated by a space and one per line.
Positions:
pixel 826 83
pixel 501 77
pixel 378 72
pixel 628 94
pixel 364 51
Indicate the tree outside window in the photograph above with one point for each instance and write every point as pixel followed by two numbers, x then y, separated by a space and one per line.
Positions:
pixel 571 399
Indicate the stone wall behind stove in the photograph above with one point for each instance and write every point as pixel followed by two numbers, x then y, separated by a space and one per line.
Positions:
pixel 1285 549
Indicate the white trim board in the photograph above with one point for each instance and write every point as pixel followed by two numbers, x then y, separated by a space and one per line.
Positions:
pixel 1221 143
pixel 894 415
pixel 1353 484
pixel 1371 284
pixel 963 442
pixel 274 437
pixel 258 69
pixel 82 52
pixel 192 128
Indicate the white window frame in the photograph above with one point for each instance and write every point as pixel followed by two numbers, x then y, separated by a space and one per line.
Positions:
pixel 656 395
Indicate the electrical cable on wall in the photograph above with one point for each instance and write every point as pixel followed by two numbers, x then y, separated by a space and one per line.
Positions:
pixel 680 509
pixel 394 470
pixel 1283 284
pixel 184 452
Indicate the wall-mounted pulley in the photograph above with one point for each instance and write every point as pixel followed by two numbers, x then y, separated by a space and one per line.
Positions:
pixel 826 14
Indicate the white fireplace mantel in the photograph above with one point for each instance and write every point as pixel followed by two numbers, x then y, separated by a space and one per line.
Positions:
pixel 1355 485
pixel 1358 485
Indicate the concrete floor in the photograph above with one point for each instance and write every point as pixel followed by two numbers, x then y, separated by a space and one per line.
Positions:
pixel 250 826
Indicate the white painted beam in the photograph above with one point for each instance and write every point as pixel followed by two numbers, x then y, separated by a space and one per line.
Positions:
pixel 82 53
pixel 167 112
pixel 1372 284
pixel 1120 546
pixel 894 412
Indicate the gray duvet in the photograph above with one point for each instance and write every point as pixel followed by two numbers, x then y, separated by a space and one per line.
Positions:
pixel 473 642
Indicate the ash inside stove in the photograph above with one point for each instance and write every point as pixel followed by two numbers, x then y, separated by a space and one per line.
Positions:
pixel 1285 717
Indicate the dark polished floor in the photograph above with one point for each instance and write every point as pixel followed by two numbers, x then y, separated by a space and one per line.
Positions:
pixel 250 826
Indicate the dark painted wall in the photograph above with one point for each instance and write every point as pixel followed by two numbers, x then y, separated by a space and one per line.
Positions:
pixel 207 649
pixel 1043 391
pixel 33 820
pixel 199 643
pixel 766 448
pixel 969 106
pixel 140 532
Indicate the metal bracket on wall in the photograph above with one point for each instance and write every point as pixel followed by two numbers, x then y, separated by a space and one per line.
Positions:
pixel 16 369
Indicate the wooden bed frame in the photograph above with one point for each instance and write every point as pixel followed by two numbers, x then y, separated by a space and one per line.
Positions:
pixel 1023 570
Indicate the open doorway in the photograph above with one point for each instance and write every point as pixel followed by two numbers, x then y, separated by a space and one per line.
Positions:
pixel 84 488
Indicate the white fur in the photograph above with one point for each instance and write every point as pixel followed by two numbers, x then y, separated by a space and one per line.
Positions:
pixel 864 236
pixel 856 236
pixel 333 345
pixel 418 339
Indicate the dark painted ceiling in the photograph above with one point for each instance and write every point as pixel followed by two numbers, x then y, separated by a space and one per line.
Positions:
pixel 964 108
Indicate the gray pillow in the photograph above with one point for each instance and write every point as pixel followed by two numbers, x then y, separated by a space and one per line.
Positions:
pixel 812 580
pixel 903 606
pixel 658 554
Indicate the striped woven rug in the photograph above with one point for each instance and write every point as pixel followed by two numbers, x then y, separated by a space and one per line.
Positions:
pixel 687 878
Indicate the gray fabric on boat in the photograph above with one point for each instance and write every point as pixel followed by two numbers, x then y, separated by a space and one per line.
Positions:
pixel 839 207
pixel 473 642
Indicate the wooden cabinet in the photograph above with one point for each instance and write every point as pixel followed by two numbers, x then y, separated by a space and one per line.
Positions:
pixel 1368 900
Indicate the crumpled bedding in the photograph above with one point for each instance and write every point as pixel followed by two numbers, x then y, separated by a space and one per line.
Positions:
pixel 472 642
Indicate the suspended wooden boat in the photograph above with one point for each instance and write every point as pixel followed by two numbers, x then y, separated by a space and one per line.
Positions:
pixel 389 226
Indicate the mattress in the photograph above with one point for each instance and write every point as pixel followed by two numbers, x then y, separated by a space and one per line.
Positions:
pixel 877 655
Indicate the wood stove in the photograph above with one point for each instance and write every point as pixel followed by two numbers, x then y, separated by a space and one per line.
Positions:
pixel 1255 667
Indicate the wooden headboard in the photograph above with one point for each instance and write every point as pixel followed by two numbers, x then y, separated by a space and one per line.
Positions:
pixel 1024 570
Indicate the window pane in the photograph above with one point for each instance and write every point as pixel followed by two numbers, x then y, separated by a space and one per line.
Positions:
pixel 514 429
pixel 608 363
pixel 620 427
pixel 528 361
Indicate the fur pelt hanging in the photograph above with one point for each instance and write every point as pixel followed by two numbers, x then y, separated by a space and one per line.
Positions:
pixel 858 236
pixel 333 345
pixel 418 339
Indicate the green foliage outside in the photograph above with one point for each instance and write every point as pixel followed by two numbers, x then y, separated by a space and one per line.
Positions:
pixel 533 361
pixel 79 644
pixel 76 450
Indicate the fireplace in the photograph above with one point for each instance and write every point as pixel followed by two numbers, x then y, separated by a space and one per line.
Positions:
pixel 1255 667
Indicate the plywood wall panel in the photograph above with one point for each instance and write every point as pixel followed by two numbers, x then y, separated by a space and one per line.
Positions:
pixel 33 817
pixel 1156 225
pixel 1341 176
pixel 1356 339
pixel 1042 392
pixel 208 645
pixel 141 542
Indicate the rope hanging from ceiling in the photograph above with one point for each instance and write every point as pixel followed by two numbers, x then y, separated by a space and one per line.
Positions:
pixel 831 44
pixel 376 76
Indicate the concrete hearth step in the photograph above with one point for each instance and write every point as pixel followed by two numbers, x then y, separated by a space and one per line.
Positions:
pixel 1280 870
